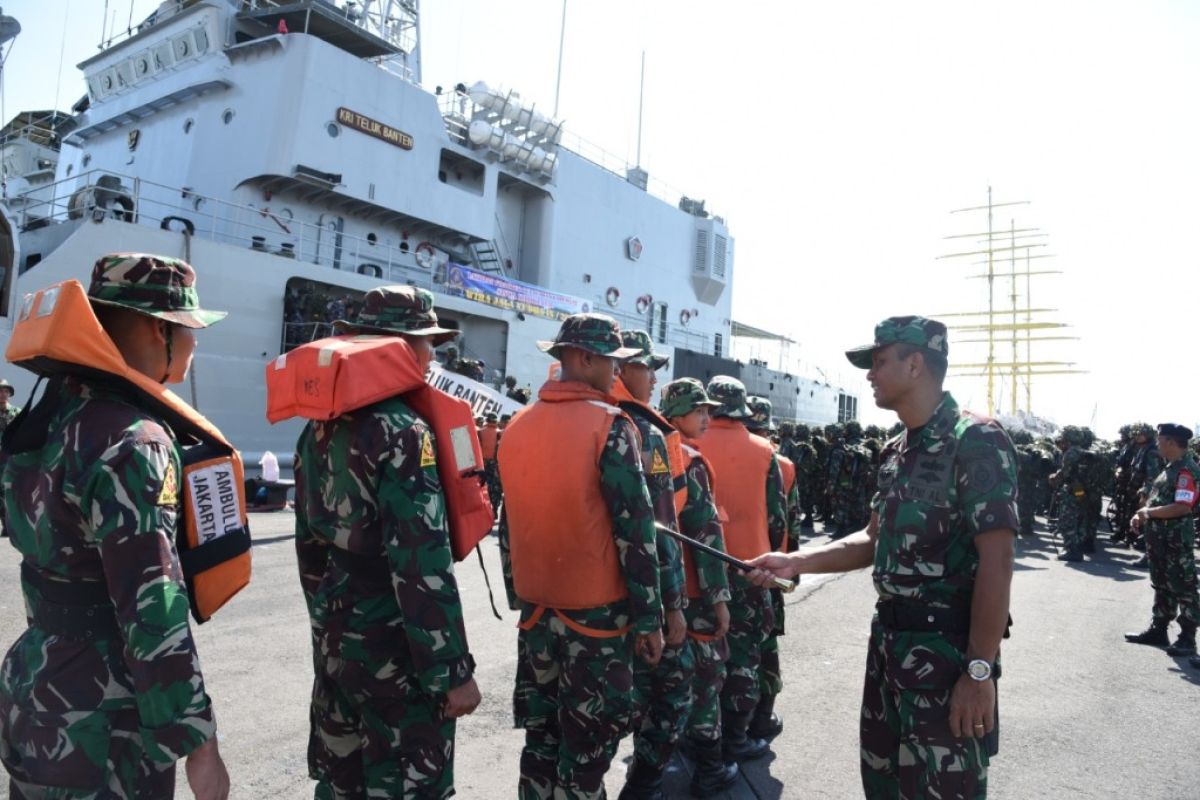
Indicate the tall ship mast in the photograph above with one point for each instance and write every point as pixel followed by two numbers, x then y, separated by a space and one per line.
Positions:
pixel 290 153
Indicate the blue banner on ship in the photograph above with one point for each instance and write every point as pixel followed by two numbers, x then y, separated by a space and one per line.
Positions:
pixel 511 295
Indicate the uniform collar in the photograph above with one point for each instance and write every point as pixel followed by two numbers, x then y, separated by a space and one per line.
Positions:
pixel 943 420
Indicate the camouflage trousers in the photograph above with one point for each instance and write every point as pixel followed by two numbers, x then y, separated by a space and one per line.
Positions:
pixel 1071 520
pixel 1093 502
pixel 750 623
pixel 572 697
pixel 120 772
pixel 710 655
pixel 1169 547
pixel 848 508
pixel 491 474
pixel 770 672
pixel 907 750
pixel 364 746
pixel 1025 507
pixel 663 698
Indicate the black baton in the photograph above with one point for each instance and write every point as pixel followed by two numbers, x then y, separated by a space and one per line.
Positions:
pixel 782 584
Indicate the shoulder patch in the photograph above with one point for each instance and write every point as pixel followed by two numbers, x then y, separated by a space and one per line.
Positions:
pixel 427 457
pixel 659 466
pixel 169 495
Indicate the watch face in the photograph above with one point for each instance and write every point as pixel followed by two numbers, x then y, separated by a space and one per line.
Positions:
pixel 979 670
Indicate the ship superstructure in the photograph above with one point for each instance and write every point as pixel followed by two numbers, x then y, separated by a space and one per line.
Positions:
pixel 288 150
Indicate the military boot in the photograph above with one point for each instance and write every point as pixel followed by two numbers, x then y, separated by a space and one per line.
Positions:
pixel 642 782
pixel 1155 635
pixel 765 724
pixel 1185 644
pixel 736 745
pixel 1072 553
pixel 1141 563
pixel 713 774
pixel 1089 545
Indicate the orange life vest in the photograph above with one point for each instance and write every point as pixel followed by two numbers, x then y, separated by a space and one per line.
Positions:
pixel 674 440
pixel 57 333
pixel 489 435
pixel 692 453
pixel 741 460
pixel 330 377
pixel 560 531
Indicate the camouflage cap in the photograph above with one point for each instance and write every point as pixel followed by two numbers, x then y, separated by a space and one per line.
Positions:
pixel 5 385
pixel 927 333
pixel 760 414
pixel 647 358
pixel 157 286
pixel 683 396
pixel 731 394
pixel 595 333
pixel 391 310
pixel 853 429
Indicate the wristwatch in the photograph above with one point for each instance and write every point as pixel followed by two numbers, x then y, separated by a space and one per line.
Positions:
pixel 979 670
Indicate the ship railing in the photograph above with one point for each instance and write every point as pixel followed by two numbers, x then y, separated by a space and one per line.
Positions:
pixel 266 229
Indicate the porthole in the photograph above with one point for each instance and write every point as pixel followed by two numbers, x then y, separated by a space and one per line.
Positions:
pixel 227 116
pixel 372 238
pixel 70 168
pixel 87 159
pixel 333 129
pixel 188 124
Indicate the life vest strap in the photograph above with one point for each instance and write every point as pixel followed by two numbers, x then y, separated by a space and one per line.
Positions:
pixel 703 637
pixel 217 551
pixel 579 628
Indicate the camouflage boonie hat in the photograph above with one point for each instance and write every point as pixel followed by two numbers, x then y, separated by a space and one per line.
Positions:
pixel 647 358
pixel 391 310
pixel 927 333
pixel 731 394
pixel 4 384
pixel 596 333
pixel 760 414
pixel 683 396
pixel 853 429
pixel 157 286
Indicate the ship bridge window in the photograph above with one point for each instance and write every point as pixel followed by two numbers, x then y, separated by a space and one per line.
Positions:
pixel 461 172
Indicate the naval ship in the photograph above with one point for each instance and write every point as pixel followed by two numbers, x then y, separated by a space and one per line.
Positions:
pixel 289 151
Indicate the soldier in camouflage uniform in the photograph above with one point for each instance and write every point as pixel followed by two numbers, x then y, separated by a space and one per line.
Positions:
pixel 663 690
pixel 804 456
pixel 1027 474
pixel 1147 463
pixel 751 612
pixel 941 541
pixel 102 694
pixel 393 670
pixel 687 406
pixel 846 478
pixel 1068 481
pixel 575 665
pixel 1170 542
pixel 1124 462
pixel 8 409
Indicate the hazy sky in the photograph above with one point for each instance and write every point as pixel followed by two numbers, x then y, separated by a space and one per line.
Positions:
pixel 835 137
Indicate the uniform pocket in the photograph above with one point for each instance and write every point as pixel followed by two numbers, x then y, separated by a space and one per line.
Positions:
pixel 61 749
pixel 918 661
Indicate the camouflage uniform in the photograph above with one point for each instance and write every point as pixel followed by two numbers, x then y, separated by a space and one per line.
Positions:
pixel 957 479
pixel 804 456
pixel 847 478
pixel 10 411
pixel 662 691
pixel 373 550
pixel 573 691
pixel 1027 473
pixel 1170 546
pixel 102 694
pixel 1121 476
pixel 751 613
pixel 1147 463
pixel 1069 481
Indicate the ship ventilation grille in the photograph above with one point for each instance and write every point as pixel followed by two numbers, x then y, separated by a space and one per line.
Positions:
pixel 702 251
pixel 719 255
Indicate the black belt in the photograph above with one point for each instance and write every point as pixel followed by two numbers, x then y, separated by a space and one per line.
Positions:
pixel 370 572
pixel 75 609
pixel 898 616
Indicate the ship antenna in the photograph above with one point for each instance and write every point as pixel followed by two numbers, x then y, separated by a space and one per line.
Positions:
pixel 62 51
pixel 562 35
pixel 641 102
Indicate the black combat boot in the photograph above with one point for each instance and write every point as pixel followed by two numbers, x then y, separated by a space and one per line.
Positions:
pixel 642 782
pixel 1185 645
pixel 1155 635
pixel 1089 545
pixel 736 745
pixel 765 724
pixel 713 774
pixel 1072 553
pixel 1141 563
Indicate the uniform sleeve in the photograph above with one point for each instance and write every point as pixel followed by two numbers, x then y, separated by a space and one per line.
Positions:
pixel 699 520
pixel 987 480
pixel 1185 488
pixel 670 557
pixel 131 499
pixel 312 553
pixel 623 487
pixel 795 525
pixel 776 505
pixel 412 510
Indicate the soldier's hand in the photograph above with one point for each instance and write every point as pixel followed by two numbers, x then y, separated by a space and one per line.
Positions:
pixel 721 611
pixel 676 627
pixel 972 707
pixel 771 566
pixel 206 773
pixel 461 700
pixel 649 646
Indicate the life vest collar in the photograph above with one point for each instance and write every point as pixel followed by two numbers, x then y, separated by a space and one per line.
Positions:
pixel 567 391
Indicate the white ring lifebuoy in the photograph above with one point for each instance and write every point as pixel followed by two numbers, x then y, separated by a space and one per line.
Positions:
pixel 643 303
pixel 424 255
pixel 685 317
pixel 612 296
